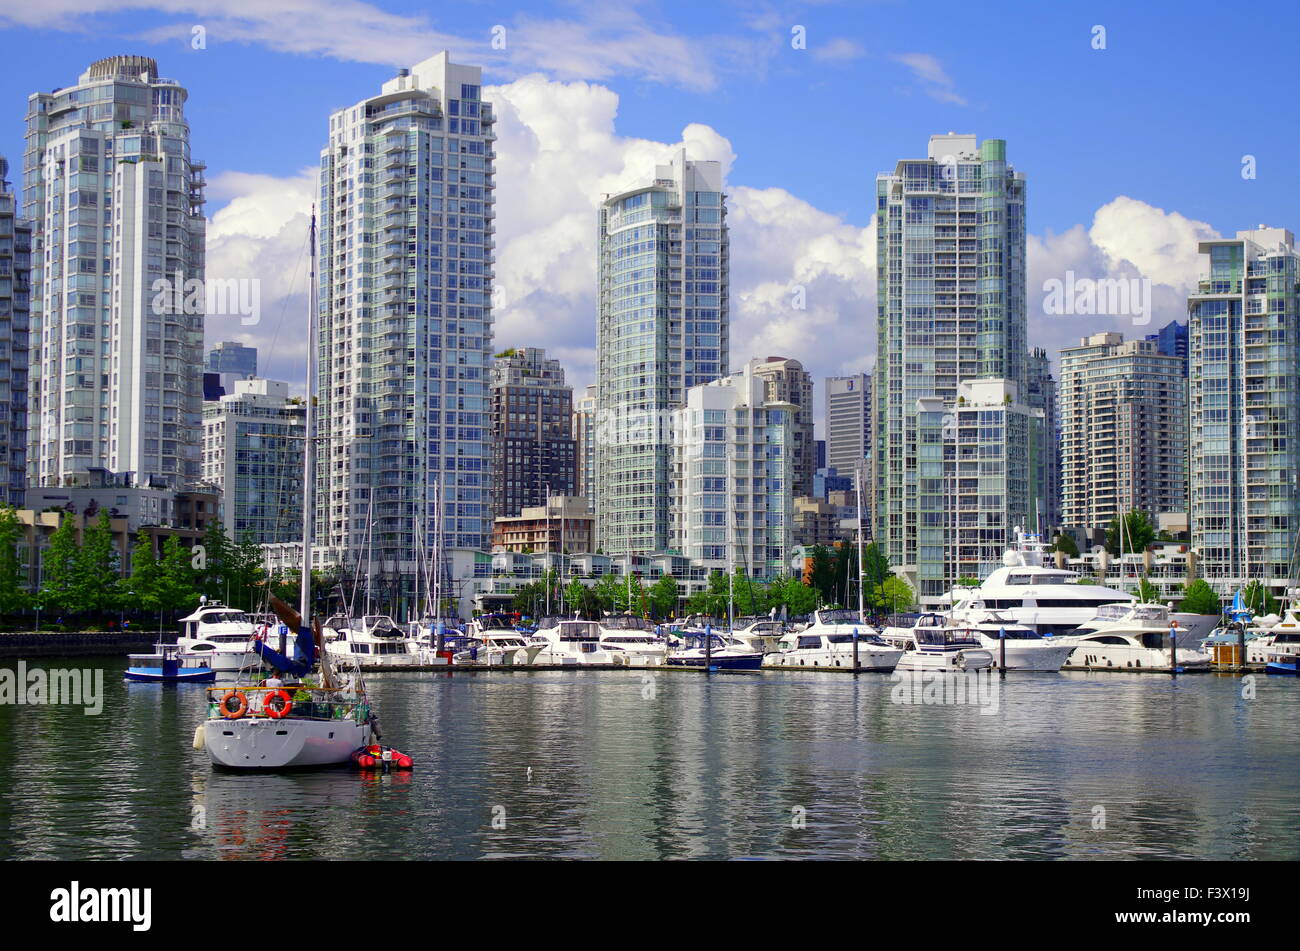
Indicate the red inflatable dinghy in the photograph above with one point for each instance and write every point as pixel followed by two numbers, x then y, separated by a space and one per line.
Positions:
pixel 380 757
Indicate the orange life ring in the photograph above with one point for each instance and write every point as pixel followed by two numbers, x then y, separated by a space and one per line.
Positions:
pixel 273 712
pixel 238 711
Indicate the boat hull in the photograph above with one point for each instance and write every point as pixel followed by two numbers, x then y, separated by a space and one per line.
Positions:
pixel 1036 655
pixel 869 659
pixel 946 661
pixel 263 743
pixel 1132 659
pixel 155 675
pixel 719 662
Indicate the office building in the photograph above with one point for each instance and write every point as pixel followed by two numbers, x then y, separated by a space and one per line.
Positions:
pixel 534 455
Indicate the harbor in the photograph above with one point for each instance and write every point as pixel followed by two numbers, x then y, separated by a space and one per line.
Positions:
pixel 644 765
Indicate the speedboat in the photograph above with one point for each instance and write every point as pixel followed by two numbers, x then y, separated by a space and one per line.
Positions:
pixel 714 652
pixel 634 636
pixel 828 642
pixel 1128 636
pixel 220 635
pixel 373 642
pixel 569 643
pixel 170 665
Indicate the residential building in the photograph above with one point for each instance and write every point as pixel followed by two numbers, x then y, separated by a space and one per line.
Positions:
pixel 848 422
pixel 950 263
pixel 560 524
pixel 1123 433
pixel 117 323
pixel 253 442
pixel 1172 341
pixel 534 455
pixel 405 340
pixel 1040 393
pixel 788 382
pixel 732 466
pixel 1244 394
pixel 15 305
pixel 584 438
pixel 662 328
pixel 821 522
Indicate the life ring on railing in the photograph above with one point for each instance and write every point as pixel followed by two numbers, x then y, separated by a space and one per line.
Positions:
pixel 276 712
pixel 239 711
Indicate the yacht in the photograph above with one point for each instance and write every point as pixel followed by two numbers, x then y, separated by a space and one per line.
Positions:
pixel 1029 591
pixel 571 643
pixel 1278 639
pixel 496 643
pixel 828 642
pixel 220 636
pixel 759 634
pixel 1131 636
pixel 944 648
pixel 1026 649
pixel 372 642
pixel 636 637
pixel 716 652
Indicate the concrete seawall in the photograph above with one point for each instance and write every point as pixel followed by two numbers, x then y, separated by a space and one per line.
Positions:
pixel 79 644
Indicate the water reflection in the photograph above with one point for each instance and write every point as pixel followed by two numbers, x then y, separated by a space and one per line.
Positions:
pixel 625 765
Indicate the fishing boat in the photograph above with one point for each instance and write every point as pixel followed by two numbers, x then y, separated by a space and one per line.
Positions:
pixel 711 651
pixel 828 642
pixel 294 719
pixel 169 665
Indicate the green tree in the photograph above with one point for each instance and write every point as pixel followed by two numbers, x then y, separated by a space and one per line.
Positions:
pixel 876 569
pixel 96 586
pixel 59 569
pixel 967 581
pixel 13 593
pixel 144 584
pixel 608 590
pixel 1199 598
pixel 895 595
pixel 176 576
pixel 574 595
pixel 1065 542
pixel 713 600
pixel 663 597
pixel 796 597
pixel 1135 534
pixel 1259 599
pixel 823 572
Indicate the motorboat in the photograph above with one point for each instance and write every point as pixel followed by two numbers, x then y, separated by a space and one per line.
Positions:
pixel 1026 648
pixel 636 637
pixel 828 642
pixel 568 643
pixel 948 649
pixel 169 665
pixel 220 635
pixel 496 643
pixel 1131 636
pixel 372 642
pixel 714 652
pixel 759 634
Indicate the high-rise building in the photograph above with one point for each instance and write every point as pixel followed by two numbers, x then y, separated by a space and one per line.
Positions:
pixel 584 437
pixel 950 264
pixel 252 450
pixel 534 456
pixel 1040 393
pixel 978 469
pixel 405 343
pixel 732 465
pixel 1244 395
pixel 1123 411
pixel 662 328
pixel 117 332
pixel 1172 341
pixel 848 422
pixel 231 356
pixel 788 382
pixel 15 304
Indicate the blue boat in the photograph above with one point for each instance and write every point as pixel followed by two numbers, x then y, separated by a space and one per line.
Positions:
pixel 1283 664
pixel 169 666
pixel 724 654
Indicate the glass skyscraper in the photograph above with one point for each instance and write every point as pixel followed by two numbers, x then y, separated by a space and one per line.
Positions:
pixel 1244 394
pixel 950 262
pixel 116 200
pixel 662 328
pixel 405 341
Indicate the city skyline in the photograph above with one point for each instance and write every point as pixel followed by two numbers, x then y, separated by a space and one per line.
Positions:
pixel 804 223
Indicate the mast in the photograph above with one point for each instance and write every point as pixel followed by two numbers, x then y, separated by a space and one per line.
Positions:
pixel 308 454
pixel 862 601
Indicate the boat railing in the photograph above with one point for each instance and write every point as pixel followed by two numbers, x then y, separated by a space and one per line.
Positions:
pixel 305 703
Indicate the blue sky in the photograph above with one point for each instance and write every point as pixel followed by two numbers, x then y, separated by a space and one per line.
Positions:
pixel 1163 115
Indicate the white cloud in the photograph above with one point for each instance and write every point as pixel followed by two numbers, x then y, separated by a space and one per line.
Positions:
pixel 838 50
pixel 934 79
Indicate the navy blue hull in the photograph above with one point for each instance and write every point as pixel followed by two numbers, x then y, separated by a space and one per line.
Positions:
pixel 719 663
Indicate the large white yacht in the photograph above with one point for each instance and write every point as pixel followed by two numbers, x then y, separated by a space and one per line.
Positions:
pixel 496 643
pixel 636 637
pixel 372 642
pixel 1028 591
pixel 760 634
pixel 573 643
pixel 1130 636
pixel 828 642
pixel 221 636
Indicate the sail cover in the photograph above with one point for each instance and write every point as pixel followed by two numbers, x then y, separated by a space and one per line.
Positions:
pixel 304 654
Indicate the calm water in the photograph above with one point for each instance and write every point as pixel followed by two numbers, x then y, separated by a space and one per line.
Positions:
pixel 687 767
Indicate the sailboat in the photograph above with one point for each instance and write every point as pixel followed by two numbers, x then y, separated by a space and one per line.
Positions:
pixel 288 721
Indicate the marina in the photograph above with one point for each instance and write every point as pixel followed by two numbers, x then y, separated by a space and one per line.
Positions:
pixel 630 764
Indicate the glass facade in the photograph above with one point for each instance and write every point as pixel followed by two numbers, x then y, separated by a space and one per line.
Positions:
pixel 15 304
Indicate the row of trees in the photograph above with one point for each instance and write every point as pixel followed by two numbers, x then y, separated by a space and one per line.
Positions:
pixel 84 577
